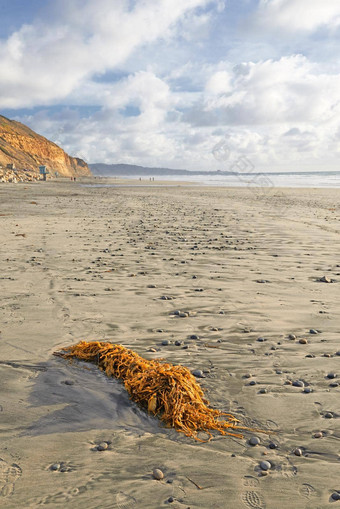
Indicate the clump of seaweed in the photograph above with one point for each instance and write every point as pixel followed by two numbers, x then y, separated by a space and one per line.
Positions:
pixel 167 391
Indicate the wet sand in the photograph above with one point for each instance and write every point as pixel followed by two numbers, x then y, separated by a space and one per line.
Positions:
pixel 114 264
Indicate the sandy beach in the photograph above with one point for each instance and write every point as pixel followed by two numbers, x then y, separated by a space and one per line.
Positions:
pixel 257 271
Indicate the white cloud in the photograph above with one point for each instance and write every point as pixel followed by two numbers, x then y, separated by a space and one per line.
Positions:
pixel 291 89
pixel 44 62
pixel 219 83
pixel 298 15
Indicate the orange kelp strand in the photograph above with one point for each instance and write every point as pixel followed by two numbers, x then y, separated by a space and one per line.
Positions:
pixel 168 391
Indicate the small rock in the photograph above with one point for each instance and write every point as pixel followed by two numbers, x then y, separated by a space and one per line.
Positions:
pixel 254 441
pixel 325 279
pixel 298 452
pixel 264 472
pixel 102 446
pixel 178 342
pixel 252 382
pixel 171 499
pixel 265 465
pixel 318 434
pixel 182 314
pixel 307 390
pixel 261 340
pixel 329 415
pixel 263 391
pixel 313 331
pixel 273 445
pixel 335 496
pixel 157 474
pixel 198 373
pixel 55 467
pixel 303 341
pixel 152 349
pixel 331 375
pixel 298 383
pixel 194 336
pixel 292 336
pixel 166 342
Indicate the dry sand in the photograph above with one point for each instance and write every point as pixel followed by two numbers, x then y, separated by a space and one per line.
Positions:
pixel 94 263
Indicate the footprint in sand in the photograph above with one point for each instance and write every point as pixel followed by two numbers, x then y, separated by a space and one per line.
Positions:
pixel 9 474
pixel 125 501
pixel 253 500
pixel 307 490
pixel 250 482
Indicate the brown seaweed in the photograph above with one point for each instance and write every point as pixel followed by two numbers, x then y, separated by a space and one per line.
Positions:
pixel 167 391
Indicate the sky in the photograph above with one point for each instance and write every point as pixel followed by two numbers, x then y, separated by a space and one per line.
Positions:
pixel 192 84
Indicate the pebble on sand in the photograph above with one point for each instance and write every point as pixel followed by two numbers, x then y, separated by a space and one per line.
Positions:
pixel 325 279
pixel 265 465
pixel 198 373
pixel 102 446
pixel 157 474
pixel 303 341
pixel 298 452
pixel 254 441
pixel 55 467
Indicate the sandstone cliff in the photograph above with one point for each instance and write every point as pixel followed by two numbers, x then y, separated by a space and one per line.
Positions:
pixel 24 148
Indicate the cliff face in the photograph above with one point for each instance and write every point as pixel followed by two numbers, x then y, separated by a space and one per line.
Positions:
pixel 26 149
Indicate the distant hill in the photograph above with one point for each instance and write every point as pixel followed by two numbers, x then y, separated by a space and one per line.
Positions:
pixel 123 170
pixel 24 148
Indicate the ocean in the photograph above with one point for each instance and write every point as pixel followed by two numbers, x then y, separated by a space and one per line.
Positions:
pixel 325 179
